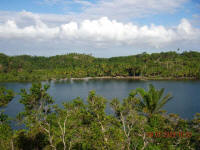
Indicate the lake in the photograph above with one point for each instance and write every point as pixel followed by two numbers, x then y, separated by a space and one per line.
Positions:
pixel 185 102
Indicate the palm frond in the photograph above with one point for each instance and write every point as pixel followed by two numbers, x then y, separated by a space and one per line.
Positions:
pixel 165 99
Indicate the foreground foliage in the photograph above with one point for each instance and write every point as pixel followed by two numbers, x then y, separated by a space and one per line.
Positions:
pixel 133 125
pixel 168 65
pixel 6 133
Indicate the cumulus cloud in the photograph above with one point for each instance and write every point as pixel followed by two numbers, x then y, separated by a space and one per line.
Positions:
pixel 49 33
pixel 103 31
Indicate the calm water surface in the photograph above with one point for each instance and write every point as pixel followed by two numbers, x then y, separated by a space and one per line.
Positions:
pixel 185 102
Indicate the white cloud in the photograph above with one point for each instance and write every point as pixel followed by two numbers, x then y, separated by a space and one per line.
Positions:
pixel 83 2
pixel 127 9
pixel 25 18
pixel 103 32
pixel 89 29
pixel 119 9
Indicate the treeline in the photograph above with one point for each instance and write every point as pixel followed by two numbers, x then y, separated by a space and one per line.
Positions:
pixel 137 123
pixel 165 65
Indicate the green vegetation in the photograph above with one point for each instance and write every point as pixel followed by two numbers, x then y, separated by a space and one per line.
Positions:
pixel 86 126
pixel 152 100
pixel 6 133
pixel 168 65
pixel 5 96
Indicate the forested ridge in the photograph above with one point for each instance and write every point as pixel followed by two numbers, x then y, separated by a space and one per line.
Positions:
pixel 165 65
pixel 137 122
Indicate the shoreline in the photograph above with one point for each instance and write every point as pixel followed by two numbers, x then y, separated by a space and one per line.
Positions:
pixel 110 77
pixel 128 77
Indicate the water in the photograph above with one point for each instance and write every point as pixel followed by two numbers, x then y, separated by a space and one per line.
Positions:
pixel 185 102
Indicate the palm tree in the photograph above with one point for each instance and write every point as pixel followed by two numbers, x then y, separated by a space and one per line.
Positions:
pixel 152 101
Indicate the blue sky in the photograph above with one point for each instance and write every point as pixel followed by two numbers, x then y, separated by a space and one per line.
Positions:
pixel 104 28
pixel 38 6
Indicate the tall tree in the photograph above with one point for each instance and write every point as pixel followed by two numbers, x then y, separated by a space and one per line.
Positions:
pixel 132 124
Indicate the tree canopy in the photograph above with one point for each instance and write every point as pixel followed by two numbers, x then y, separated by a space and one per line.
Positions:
pixel 80 125
pixel 164 65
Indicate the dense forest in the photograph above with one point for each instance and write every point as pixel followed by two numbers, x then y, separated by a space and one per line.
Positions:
pixel 165 65
pixel 137 123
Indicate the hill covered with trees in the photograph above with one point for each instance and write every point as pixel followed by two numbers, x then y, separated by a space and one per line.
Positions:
pixel 165 65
